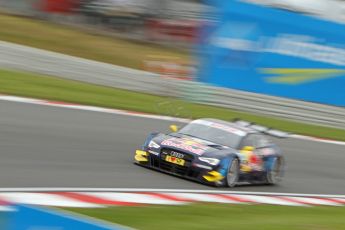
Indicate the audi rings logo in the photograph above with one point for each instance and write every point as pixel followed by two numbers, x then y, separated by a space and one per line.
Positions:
pixel 176 154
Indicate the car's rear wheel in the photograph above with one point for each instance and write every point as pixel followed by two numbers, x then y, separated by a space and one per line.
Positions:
pixel 275 172
pixel 233 173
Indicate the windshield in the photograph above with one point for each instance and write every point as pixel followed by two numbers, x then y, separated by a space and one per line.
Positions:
pixel 213 132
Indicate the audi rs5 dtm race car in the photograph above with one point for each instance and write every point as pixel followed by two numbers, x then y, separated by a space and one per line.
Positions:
pixel 215 152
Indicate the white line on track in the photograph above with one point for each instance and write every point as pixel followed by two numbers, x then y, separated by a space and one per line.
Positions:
pixel 3 190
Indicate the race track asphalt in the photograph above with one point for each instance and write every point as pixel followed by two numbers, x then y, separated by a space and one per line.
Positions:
pixel 42 146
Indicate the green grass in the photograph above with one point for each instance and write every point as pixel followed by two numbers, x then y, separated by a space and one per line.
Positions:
pixel 37 86
pixel 58 38
pixel 222 216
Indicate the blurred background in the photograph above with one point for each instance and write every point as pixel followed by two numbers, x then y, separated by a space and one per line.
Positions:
pixel 170 22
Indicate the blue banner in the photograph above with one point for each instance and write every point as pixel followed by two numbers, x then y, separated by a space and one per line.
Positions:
pixel 26 217
pixel 270 51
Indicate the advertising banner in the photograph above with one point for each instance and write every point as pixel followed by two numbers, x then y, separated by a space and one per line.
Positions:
pixel 27 217
pixel 276 52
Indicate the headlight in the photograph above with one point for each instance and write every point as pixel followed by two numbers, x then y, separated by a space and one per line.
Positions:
pixel 211 161
pixel 153 144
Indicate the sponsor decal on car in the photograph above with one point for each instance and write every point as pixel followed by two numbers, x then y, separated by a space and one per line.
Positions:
pixel 250 161
pixel 175 160
pixel 186 144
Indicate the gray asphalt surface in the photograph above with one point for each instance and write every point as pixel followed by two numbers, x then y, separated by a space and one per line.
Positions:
pixel 44 146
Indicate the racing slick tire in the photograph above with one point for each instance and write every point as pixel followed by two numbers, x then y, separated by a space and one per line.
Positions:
pixel 233 173
pixel 275 173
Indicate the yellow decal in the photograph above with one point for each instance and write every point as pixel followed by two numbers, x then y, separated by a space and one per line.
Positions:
pixel 245 168
pixel 141 156
pixel 213 176
pixel 300 76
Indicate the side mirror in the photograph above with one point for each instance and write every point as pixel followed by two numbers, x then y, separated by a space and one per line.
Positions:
pixel 248 148
pixel 173 128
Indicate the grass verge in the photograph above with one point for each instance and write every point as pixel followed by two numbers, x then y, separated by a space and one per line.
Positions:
pixel 222 216
pixel 38 86
pixel 62 39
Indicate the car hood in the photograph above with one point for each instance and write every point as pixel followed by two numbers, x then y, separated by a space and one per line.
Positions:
pixel 192 145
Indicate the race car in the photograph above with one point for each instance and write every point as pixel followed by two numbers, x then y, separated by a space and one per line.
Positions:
pixel 216 152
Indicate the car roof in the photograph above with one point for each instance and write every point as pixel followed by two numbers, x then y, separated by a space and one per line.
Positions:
pixel 233 125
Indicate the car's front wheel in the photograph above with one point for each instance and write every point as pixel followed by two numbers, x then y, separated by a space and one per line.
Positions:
pixel 233 173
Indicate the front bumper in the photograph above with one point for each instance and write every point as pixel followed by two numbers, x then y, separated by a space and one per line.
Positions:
pixel 197 172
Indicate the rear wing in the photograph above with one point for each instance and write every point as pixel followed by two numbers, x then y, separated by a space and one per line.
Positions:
pixel 262 129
